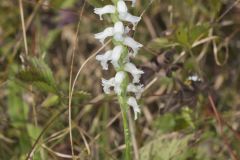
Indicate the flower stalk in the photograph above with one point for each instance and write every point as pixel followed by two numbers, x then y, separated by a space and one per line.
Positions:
pixel 126 83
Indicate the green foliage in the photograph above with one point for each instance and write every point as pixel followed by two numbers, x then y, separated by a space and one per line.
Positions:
pixel 51 100
pixel 186 36
pixel 16 104
pixel 174 122
pixel 166 148
pixel 39 75
pixel 34 92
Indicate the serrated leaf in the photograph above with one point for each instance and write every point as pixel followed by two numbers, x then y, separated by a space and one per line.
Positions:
pixel 39 75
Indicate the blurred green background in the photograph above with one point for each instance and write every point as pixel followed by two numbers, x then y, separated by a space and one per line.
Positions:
pixel 182 117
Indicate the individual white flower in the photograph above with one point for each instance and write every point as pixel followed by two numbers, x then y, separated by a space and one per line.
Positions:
pixel 118 31
pixel 104 58
pixel 104 34
pixel 107 84
pixel 136 73
pixel 104 10
pixel 130 18
pixel 136 89
pixel 125 16
pixel 119 77
pixel 130 42
pixel 116 54
pixel 133 103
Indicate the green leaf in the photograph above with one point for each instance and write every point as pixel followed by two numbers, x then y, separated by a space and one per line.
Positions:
pixel 39 75
pixel 81 95
pixel 182 36
pixel 186 114
pixel 196 32
pixel 166 122
pixel 51 101
pixel 68 3
pixel 16 104
pixel 159 43
pixel 33 131
pixel 163 148
pixel 215 6
pixel 47 42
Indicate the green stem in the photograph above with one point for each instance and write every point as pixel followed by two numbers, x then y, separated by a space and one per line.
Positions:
pixel 122 98
pixel 124 109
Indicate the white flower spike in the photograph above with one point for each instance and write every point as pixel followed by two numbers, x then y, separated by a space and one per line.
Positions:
pixel 128 88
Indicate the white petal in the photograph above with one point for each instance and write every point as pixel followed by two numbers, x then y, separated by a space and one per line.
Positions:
pixel 118 31
pixel 122 7
pixel 136 89
pixel 119 77
pixel 130 42
pixel 133 103
pixel 104 10
pixel 107 84
pixel 116 54
pixel 119 27
pixel 104 34
pixel 104 58
pixel 125 16
pixel 194 78
pixel 136 73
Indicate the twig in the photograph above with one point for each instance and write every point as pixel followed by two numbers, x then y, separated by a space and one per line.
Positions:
pixel 70 83
pixel 228 10
pixel 23 27
pixel 220 123
pixel 43 131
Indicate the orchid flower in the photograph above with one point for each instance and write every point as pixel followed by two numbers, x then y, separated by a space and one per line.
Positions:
pixel 133 103
pixel 124 15
pixel 104 10
pixel 104 59
pixel 136 73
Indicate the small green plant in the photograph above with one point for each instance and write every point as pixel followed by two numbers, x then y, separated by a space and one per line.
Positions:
pixel 124 48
